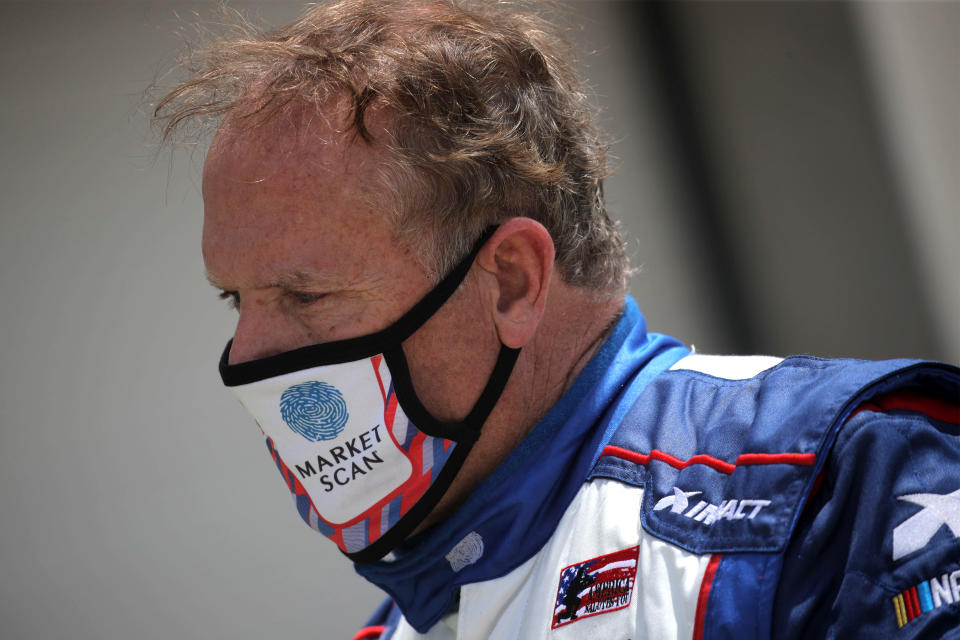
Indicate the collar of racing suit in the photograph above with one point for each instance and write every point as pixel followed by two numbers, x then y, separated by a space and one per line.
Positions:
pixel 512 514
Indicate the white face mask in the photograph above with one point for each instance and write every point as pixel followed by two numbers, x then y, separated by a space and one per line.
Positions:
pixel 363 458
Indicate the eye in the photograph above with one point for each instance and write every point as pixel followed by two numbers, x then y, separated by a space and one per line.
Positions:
pixel 303 298
pixel 232 298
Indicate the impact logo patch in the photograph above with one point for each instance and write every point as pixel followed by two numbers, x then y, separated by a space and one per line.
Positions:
pixel 916 531
pixel 926 596
pixel 706 513
pixel 595 586
pixel 315 410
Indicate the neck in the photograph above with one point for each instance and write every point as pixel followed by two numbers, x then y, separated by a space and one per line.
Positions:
pixel 574 325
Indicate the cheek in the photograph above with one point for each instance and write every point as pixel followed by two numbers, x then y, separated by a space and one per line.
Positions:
pixel 450 359
pixel 261 332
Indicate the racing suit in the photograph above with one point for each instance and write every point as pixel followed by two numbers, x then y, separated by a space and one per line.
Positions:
pixel 675 495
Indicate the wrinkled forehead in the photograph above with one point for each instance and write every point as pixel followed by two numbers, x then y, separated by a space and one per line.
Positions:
pixel 298 138
pixel 299 164
pixel 298 183
pixel 253 151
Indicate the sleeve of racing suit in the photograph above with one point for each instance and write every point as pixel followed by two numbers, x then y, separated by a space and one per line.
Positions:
pixel 876 553
pixel 381 624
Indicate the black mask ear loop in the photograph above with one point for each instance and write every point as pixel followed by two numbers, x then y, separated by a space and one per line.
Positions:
pixel 495 386
pixel 467 431
pixel 464 433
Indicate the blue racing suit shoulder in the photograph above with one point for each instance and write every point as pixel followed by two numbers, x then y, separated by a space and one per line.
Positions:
pixel 729 464
pixel 876 552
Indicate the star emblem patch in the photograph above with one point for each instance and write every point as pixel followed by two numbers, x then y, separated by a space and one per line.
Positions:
pixel 916 531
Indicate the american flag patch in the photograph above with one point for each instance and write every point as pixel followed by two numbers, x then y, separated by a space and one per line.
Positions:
pixel 595 586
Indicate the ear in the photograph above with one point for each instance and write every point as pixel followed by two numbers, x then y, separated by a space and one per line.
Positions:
pixel 519 257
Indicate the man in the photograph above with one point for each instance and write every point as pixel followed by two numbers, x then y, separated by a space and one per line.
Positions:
pixel 403 201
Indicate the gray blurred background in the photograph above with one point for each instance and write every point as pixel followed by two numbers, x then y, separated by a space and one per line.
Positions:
pixel 787 178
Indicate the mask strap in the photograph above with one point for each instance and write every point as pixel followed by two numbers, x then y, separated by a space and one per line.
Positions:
pixel 413 319
pixel 464 434
pixel 495 385
pixel 467 431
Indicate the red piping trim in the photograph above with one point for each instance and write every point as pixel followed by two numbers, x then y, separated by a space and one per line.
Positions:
pixel 817 483
pixel 746 459
pixel 704 596
pixel 370 633
pixel 799 459
pixel 906 401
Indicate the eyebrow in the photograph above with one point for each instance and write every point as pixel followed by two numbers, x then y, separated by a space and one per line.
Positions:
pixel 292 279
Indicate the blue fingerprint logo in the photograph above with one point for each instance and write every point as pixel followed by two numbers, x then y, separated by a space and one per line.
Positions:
pixel 315 410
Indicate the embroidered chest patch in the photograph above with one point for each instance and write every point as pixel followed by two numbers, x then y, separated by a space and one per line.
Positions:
pixel 595 586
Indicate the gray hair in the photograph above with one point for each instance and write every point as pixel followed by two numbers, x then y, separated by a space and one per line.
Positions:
pixel 488 119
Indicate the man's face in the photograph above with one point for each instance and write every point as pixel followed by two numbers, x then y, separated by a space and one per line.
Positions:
pixel 295 231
